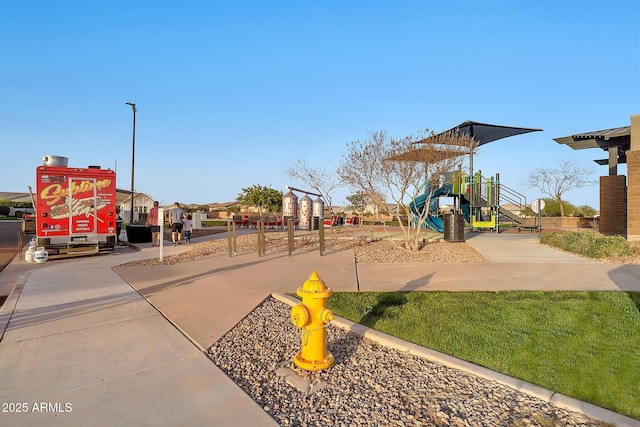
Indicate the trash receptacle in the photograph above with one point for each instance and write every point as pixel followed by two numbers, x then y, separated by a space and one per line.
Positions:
pixel 315 223
pixel 138 234
pixel 454 227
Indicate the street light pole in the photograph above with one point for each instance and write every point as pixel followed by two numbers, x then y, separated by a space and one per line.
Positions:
pixel 133 157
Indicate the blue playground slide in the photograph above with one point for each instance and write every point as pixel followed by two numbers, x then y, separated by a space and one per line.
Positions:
pixel 433 221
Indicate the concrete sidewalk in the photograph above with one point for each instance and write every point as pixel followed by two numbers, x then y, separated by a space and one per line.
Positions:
pixel 207 297
pixel 81 335
pixel 84 348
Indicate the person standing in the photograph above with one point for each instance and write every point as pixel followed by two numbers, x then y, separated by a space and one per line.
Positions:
pixel 176 217
pixel 188 228
pixel 118 224
pixel 152 221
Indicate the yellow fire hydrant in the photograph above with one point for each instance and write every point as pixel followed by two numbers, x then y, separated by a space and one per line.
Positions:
pixel 312 316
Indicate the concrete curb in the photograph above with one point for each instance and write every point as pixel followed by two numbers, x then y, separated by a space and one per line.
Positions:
pixel 9 306
pixel 557 399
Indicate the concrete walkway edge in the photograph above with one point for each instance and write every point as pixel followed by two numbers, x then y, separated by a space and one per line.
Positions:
pixel 174 324
pixel 9 306
pixel 541 393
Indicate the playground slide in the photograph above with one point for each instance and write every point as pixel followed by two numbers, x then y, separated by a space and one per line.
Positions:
pixel 432 221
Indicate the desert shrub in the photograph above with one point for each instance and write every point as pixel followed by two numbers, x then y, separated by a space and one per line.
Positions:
pixel 4 210
pixel 592 245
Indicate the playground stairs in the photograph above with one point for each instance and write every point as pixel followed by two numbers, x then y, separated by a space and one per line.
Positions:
pixel 491 197
pixel 511 215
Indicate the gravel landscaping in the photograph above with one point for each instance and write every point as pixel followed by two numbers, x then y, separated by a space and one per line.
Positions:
pixel 369 384
pixel 367 251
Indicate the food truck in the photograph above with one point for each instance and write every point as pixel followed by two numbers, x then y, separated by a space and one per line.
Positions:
pixel 75 209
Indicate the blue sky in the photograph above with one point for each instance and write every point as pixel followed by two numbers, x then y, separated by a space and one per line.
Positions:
pixel 229 93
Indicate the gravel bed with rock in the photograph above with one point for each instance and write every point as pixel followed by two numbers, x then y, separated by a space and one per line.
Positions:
pixel 369 384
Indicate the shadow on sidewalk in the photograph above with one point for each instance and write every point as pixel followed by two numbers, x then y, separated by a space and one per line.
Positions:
pixel 626 277
pixel 149 291
pixel 51 313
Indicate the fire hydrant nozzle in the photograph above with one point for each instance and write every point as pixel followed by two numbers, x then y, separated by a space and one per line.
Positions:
pixel 312 316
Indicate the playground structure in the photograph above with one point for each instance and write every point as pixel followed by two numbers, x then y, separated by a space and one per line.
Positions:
pixel 480 200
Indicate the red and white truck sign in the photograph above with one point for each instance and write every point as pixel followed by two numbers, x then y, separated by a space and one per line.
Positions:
pixel 75 210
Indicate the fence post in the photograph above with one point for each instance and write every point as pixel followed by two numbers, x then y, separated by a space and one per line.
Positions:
pixel 321 237
pixel 231 238
pixel 290 236
pixel 260 227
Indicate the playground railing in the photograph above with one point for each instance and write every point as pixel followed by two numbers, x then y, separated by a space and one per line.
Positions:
pixel 510 196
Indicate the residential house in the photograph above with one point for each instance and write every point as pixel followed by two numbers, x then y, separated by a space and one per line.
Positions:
pixel 141 206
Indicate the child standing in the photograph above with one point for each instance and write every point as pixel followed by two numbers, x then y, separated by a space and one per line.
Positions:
pixel 188 227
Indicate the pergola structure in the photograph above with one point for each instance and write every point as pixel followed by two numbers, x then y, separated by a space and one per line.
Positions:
pixel 616 142
pixel 619 200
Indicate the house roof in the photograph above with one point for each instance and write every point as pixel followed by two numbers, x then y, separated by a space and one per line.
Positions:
pixel 125 196
pixel 15 197
pixel 221 206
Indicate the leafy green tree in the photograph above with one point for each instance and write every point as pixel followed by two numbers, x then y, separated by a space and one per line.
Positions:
pixel 585 211
pixel 552 208
pixel 358 202
pixel 266 199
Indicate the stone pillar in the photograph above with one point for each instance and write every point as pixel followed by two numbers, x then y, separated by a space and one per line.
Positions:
pixel 633 196
pixel 633 190
pixel 635 132
pixel 613 204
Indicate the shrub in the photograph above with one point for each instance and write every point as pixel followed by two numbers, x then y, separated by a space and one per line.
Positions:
pixel 592 245
pixel 4 210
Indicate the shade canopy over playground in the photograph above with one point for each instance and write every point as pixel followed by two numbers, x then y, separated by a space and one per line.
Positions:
pixel 484 133
pixel 616 141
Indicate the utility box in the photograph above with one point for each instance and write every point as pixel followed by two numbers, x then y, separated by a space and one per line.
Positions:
pixel 197 218
pixel 138 234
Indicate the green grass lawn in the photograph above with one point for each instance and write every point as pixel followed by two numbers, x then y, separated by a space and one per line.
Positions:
pixel 582 344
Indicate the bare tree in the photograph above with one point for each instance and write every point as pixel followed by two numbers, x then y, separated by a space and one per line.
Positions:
pixel 321 180
pixel 403 170
pixel 567 175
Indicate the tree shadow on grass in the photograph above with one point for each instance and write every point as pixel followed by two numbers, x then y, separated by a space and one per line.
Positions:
pixel 385 301
pixel 388 300
pixel 635 297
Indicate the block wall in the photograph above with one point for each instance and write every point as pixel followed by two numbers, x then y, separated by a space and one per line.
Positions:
pixel 613 204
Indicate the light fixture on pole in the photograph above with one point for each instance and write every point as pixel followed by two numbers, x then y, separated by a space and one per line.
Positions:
pixel 133 156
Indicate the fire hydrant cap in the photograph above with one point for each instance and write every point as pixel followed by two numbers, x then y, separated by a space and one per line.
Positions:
pixel 300 316
pixel 315 285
